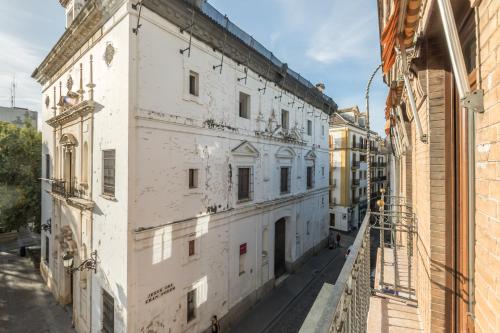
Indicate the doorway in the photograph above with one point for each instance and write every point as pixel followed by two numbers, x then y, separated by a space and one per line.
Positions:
pixel 279 247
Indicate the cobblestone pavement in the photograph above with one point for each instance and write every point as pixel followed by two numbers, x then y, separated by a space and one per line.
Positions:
pixel 285 309
pixel 26 306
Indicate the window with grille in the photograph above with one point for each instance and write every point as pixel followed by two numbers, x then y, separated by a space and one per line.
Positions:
pixel 285 180
pixel 285 119
pixel 47 249
pixel 193 178
pixel 310 177
pixel 244 110
pixel 193 83
pixel 191 248
pixel 108 312
pixel 191 305
pixel 47 166
pixel 108 157
pixel 244 184
pixel 309 127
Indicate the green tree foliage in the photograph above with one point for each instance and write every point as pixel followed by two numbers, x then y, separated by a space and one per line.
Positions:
pixel 20 170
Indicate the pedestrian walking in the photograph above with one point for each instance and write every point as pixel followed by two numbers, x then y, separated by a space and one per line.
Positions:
pixel 338 239
pixel 215 325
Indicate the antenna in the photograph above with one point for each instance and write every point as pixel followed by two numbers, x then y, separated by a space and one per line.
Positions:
pixel 13 92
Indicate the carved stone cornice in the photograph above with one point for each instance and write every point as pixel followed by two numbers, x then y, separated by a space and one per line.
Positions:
pixel 88 21
pixel 64 3
pixel 74 112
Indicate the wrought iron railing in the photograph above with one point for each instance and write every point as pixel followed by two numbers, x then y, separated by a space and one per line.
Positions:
pixel 343 307
pixel 355 164
pixel 68 189
pixel 355 181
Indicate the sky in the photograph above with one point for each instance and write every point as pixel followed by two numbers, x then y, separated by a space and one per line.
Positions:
pixel 330 41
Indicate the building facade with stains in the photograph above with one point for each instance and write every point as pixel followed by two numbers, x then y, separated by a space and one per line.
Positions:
pixel 348 168
pixel 187 167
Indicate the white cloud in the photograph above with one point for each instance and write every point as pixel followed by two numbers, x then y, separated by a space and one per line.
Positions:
pixel 19 58
pixel 344 33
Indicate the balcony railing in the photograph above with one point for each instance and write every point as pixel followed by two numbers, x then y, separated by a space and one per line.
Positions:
pixel 355 182
pixel 68 189
pixel 355 164
pixel 382 164
pixel 355 200
pixel 343 307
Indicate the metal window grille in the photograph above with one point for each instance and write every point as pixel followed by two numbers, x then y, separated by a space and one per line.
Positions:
pixel 108 157
pixel 191 305
pixel 285 180
pixel 193 83
pixel 244 110
pixel 193 178
pixel 47 249
pixel 284 119
pixel 245 183
pixel 310 177
pixel 108 312
pixel 47 166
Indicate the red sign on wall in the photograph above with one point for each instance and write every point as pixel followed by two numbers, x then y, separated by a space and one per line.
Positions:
pixel 243 248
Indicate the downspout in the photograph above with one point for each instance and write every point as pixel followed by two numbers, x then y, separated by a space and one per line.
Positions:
pixel 473 102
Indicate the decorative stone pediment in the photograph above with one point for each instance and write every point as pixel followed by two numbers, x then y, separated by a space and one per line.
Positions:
pixel 311 155
pixel 245 149
pixel 68 140
pixel 285 152
pixel 71 113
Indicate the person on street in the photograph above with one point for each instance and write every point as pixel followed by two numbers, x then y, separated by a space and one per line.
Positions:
pixel 215 325
pixel 338 239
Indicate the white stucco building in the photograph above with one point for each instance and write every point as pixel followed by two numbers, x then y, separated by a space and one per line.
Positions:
pixel 190 163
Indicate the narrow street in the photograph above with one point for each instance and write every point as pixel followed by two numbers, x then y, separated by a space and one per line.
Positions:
pixel 25 303
pixel 287 306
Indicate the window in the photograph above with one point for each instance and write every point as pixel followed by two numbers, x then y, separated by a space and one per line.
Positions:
pixel 244 105
pixel 47 166
pixel 285 180
pixel 322 130
pixel 108 162
pixel 242 263
pixel 193 83
pixel 108 312
pixel 47 250
pixel 244 184
pixel 308 223
pixel 354 141
pixel 310 177
pixel 309 127
pixel 284 119
pixel 323 171
pixel 191 305
pixel 191 248
pixel 193 178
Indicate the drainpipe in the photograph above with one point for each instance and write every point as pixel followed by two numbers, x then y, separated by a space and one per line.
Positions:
pixel 473 102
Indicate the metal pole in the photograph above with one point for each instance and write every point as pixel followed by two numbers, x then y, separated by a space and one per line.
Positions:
pixel 414 108
pixel 382 231
pixel 368 157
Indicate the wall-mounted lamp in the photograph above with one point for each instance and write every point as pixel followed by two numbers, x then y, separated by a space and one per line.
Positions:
pixel 88 264
pixel 47 226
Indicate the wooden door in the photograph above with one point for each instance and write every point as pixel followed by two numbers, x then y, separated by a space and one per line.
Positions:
pixel 279 247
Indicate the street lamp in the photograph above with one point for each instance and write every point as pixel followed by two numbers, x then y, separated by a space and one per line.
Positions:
pixel 47 226
pixel 88 264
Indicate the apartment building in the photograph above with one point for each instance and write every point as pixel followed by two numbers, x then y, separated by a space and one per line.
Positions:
pixel 349 168
pixel 440 61
pixel 188 167
pixel 18 116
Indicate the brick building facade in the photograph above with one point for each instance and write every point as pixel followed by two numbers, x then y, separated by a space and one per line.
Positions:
pixel 448 166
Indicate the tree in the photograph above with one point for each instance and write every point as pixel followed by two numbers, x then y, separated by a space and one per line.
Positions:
pixel 20 170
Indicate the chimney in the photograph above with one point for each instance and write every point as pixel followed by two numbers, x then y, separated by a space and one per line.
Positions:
pixel 320 87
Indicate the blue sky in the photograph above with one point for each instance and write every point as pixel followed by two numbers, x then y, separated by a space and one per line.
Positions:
pixel 329 41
